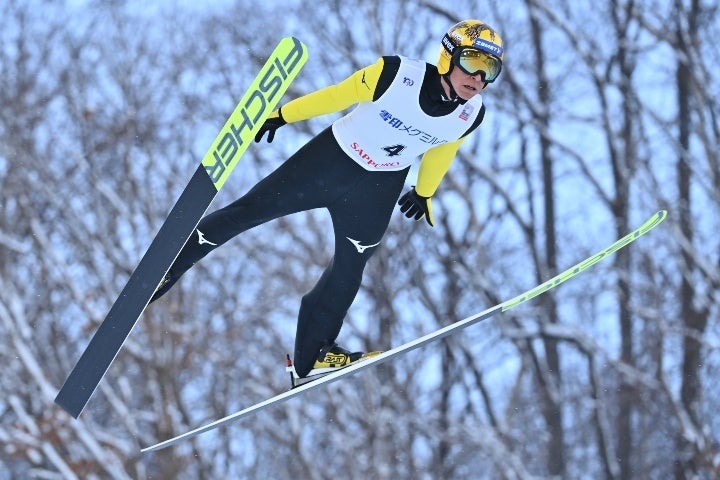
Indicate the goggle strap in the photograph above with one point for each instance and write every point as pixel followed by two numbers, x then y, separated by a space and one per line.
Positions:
pixel 448 44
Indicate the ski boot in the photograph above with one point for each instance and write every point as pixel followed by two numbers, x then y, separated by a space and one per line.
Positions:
pixel 331 358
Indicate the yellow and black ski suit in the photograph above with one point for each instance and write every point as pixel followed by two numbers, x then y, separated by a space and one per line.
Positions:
pixel 321 174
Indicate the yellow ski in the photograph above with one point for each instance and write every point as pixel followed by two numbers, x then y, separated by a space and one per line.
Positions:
pixel 259 100
pixel 651 223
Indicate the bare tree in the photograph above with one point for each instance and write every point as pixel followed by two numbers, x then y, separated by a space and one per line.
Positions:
pixel 603 114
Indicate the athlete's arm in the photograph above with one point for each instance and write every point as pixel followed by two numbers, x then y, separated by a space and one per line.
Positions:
pixel 436 162
pixel 434 165
pixel 358 87
pixel 365 85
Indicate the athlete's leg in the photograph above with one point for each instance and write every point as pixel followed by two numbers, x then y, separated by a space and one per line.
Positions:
pixel 311 178
pixel 360 219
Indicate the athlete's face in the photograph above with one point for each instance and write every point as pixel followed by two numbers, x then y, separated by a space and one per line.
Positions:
pixel 466 86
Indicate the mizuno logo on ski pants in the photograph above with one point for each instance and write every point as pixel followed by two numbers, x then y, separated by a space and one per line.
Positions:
pixel 360 247
pixel 202 240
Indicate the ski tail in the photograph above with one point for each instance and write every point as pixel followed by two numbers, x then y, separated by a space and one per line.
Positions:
pixel 448 330
pixel 239 131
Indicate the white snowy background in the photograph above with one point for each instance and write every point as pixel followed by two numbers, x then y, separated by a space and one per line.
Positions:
pixel 605 113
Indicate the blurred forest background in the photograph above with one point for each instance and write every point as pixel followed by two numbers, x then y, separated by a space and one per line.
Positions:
pixel 605 113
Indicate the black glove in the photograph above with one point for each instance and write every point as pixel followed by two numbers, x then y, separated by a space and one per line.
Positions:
pixel 271 124
pixel 413 205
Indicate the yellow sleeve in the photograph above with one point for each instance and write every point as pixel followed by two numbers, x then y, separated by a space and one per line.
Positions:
pixel 434 165
pixel 358 87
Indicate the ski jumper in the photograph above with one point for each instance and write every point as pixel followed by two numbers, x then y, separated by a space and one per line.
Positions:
pixel 355 169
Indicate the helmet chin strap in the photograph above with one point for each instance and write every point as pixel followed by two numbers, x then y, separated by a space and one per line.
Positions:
pixel 453 94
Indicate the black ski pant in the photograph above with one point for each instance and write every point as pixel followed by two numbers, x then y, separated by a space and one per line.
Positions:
pixel 318 175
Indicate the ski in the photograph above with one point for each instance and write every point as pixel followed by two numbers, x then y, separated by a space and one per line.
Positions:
pixel 571 272
pixel 259 100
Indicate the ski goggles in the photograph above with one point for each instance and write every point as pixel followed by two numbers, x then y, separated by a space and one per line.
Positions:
pixel 476 62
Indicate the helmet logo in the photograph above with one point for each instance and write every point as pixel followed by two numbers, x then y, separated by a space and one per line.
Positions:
pixel 475 31
pixel 457 37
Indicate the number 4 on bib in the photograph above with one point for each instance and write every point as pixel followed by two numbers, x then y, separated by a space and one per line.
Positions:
pixel 394 150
